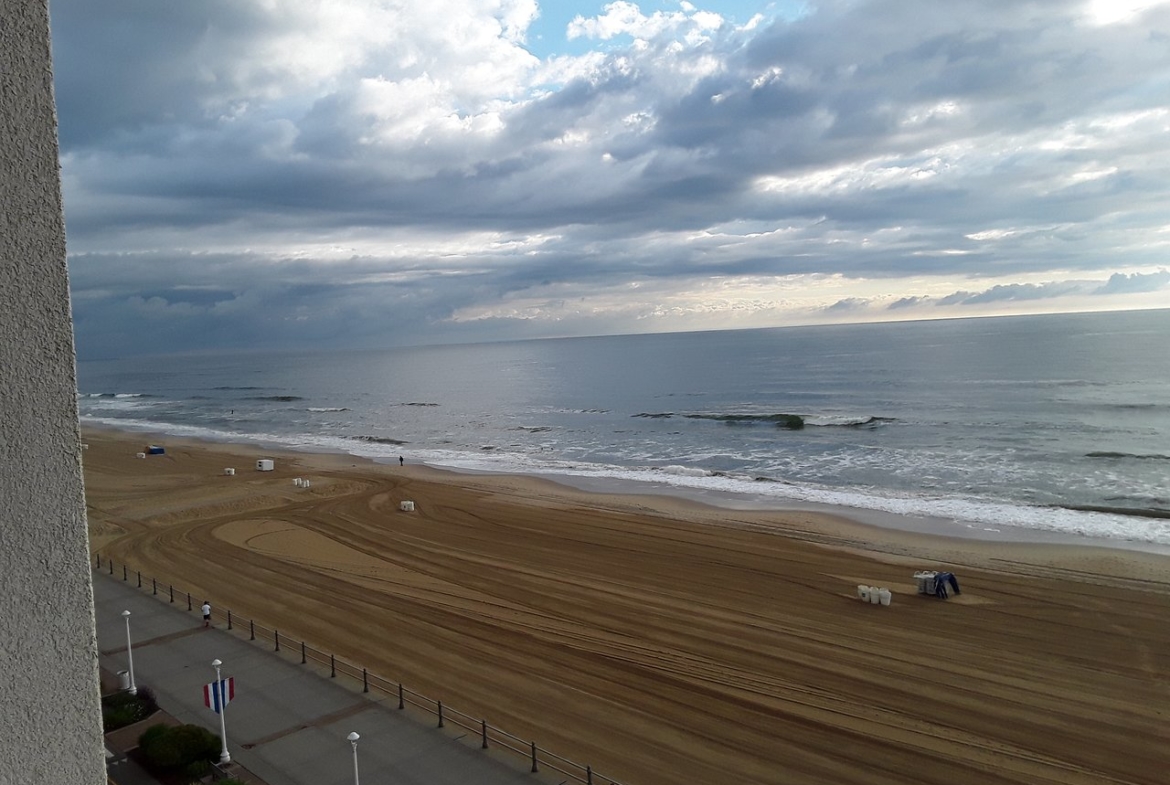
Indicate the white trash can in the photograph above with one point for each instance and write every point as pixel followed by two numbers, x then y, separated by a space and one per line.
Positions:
pixel 123 680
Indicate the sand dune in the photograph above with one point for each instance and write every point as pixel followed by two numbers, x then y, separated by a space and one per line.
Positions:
pixel 665 642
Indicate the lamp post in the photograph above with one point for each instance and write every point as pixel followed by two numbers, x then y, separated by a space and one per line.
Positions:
pixel 130 653
pixel 353 740
pixel 224 756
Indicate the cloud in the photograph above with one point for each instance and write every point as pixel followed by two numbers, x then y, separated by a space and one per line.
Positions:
pixel 416 163
pixel 849 304
pixel 907 302
pixel 1135 282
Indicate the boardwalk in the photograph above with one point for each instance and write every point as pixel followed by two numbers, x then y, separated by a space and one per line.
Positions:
pixel 287 724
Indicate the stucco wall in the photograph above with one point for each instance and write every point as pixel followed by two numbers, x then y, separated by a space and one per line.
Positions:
pixel 49 714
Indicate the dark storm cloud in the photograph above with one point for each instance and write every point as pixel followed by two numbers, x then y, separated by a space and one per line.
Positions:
pixel 219 158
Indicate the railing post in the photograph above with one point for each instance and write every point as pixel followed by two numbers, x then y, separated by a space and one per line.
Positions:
pixel 401 702
pixel 188 600
pixel 276 638
pixel 332 667
pixel 483 734
pixel 440 714
pixel 123 572
pixel 229 618
pixel 365 681
pixel 172 592
pixel 111 566
pixel 534 768
pixel 154 586
pixel 140 579
pixel 252 629
pixel 303 653
pixel 588 776
pixel 98 556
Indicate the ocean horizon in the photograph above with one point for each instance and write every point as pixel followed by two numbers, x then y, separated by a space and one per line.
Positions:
pixel 1053 427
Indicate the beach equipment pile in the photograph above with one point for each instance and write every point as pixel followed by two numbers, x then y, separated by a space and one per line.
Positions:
pixel 935 583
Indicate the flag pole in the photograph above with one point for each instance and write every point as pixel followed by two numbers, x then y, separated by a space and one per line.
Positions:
pixel 224 755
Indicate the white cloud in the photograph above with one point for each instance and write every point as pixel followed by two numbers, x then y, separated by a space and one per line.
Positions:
pixel 321 157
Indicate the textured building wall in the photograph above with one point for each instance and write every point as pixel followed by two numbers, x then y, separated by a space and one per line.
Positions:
pixel 49 716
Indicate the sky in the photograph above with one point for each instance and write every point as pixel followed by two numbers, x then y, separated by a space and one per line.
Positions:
pixel 373 173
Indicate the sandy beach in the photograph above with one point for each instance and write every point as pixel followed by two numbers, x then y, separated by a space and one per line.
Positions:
pixel 663 641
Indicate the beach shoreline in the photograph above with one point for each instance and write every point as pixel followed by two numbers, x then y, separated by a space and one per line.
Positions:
pixel 871 529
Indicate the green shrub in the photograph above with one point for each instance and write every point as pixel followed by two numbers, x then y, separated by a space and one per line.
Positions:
pixel 122 708
pixel 197 770
pixel 175 748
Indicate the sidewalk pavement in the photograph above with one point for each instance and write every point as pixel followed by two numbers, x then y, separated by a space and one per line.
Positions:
pixel 287 725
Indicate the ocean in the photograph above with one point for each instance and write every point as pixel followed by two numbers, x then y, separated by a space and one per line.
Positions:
pixel 1019 428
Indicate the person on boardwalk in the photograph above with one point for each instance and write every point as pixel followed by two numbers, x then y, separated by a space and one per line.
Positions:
pixel 206 613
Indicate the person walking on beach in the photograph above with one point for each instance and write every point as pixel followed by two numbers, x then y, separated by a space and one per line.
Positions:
pixel 400 461
pixel 206 613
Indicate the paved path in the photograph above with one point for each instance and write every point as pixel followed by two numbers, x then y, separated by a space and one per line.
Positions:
pixel 287 724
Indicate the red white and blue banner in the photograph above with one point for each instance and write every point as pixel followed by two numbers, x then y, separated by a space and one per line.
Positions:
pixel 219 694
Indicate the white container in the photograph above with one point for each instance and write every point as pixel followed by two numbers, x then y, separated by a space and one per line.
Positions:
pixel 874 598
pixel 304 483
pixel 141 455
pixel 885 596
pixel 863 593
pixel 229 472
pixel 264 465
pixel 406 506
pixel 925 581
pixel 297 482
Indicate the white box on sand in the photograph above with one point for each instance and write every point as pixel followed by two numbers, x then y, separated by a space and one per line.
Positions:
pixel 264 465
pixel 406 506
pixel 230 472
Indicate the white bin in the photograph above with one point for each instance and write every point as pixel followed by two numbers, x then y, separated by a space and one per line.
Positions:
pixel 406 506
pixel 885 596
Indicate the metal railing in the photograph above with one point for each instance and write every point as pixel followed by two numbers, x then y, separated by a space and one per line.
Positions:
pixel 489 735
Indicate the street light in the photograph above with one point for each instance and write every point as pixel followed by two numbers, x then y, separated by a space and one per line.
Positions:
pixel 353 739
pixel 224 756
pixel 129 653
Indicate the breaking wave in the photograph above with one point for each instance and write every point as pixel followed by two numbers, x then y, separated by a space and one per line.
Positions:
pixel 1129 455
pixel 788 421
pixel 114 395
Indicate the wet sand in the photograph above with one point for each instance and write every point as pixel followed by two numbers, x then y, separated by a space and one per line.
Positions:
pixel 664 641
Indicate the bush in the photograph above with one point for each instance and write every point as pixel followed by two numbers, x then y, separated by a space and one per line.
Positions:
pixel 122 708
pixel 175 748
pixel 197 770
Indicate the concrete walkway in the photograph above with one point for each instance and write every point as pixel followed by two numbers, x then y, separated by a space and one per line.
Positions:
pixel 287 724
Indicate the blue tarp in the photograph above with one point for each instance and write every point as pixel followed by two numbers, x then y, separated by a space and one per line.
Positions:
pixel 154 449
pixel 940 584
